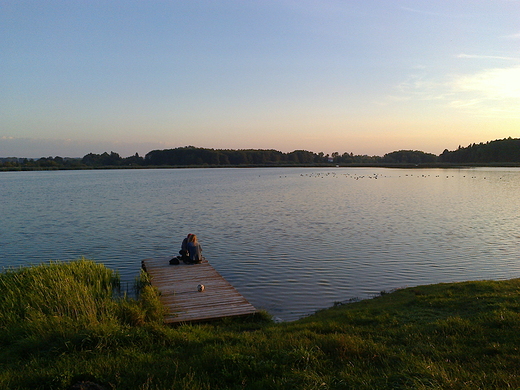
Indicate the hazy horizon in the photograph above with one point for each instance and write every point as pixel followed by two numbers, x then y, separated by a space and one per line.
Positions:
pixel 184 146
pixel 366 77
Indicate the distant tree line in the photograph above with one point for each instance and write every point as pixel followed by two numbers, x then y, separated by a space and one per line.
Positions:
pixel 91 160
pixel 41 163
pixel 191 155
pixel 499 151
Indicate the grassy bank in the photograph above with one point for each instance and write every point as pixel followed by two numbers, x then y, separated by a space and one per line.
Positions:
pixel 60 324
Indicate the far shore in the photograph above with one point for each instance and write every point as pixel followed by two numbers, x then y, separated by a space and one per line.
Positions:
pixel 321 165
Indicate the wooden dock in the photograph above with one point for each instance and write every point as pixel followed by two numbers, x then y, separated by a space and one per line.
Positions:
pixel 178 287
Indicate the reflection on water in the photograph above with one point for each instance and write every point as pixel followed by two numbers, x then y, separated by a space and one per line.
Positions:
pixel 291 240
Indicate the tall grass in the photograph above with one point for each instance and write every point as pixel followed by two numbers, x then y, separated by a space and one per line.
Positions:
pixel 60 298
pixel 73 290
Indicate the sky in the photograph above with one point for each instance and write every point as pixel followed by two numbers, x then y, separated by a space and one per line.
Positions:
pixel 363 77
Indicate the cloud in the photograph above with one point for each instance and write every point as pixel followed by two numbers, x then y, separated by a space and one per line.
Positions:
pixel 430 13
pixel 420 86
pixel 483 57
pixel 487 93
pixel 512 36
pixel 493 84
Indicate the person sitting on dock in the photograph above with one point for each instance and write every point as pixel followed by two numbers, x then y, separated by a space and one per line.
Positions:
pixel 194 249
pixel 184 254
pixel 184 248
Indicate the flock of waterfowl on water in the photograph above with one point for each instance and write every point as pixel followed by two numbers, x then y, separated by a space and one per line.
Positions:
pixel 355 176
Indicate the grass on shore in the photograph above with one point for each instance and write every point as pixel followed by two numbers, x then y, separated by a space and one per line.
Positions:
pixel 60 324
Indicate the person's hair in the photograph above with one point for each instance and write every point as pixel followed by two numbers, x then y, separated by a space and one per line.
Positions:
pixel 192 238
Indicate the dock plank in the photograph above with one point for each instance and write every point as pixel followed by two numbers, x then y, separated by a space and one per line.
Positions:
pixel 177 285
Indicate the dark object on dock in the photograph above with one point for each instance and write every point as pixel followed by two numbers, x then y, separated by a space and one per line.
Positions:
pixel 178 285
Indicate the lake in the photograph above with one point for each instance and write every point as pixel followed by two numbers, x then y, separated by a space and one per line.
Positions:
pixel 291 240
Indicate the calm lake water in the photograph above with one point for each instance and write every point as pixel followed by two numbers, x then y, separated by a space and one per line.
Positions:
pixel 291 240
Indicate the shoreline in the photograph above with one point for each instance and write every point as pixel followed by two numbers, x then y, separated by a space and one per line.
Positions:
pixel 354 165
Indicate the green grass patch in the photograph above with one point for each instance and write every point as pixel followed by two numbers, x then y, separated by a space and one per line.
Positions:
pixel 61 324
